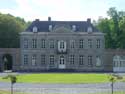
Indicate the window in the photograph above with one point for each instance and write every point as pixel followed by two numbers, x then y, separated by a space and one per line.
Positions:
pixel 71 59
pixel 51 59
pixel 35 29
pixel 81 43
pixel 51 43
pixel 89 29
pixel 72 43
pixel 50 27
pixel 81 60
pixel 34 43
pixel 74 27
pixel 42 43
pixel 98 43
pixel 33 60
pixel 25 59
pixel 89 60
pixel 43 59
pixel 25 43
pixel 90 43
pixel 62 45
pixel 62 60
pixel 98 61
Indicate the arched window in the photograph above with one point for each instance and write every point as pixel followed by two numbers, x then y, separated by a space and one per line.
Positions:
pixel 35 29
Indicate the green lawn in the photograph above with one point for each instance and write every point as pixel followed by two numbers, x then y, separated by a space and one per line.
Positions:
pixel 62 78
pixel 8 92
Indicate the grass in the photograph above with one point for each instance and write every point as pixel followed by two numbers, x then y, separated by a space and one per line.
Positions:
pixel 65 78
pixel 116 92
pixel 8 92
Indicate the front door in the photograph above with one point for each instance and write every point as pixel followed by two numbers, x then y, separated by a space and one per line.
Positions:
pixel 61 62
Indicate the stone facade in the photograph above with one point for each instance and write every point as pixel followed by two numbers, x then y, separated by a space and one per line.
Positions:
pixel 86 54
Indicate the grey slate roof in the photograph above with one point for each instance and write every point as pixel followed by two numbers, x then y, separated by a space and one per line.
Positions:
pixel 43 26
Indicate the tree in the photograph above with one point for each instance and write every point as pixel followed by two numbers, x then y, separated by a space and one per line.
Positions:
pixel 113 28
pixel 13 80
pixel 10 27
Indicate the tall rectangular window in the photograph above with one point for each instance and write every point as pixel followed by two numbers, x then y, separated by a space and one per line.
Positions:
pixel 98 43
pixel 90 61
pixel 43 59
pixel 51 43
pixel 62 45
pixel 51 59
pixel 25 43
pixel 34 43
pixel 43 43
pixel 33 60
pixel 81 60
pixel 25 59
pixel 81 43
pixel 71 59
pixel 72 43
pixel 89 43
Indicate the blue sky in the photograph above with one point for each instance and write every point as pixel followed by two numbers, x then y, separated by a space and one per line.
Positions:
pixel 60 9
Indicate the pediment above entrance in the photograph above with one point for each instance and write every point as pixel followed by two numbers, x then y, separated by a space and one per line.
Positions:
pixel 61 29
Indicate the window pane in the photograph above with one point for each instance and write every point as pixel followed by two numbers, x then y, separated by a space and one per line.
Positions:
pixel 81 43
pixel 25 59
pixel 34 60
pixel 43 59
pixel 42 43
pixel 81 60
pixel 34 43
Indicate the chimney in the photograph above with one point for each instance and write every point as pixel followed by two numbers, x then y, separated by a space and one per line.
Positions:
pixel 49 18
pixel 89 20
pixel 36 20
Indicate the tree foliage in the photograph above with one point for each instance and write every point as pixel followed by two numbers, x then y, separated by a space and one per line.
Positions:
pixel 114 28
pixel 10 27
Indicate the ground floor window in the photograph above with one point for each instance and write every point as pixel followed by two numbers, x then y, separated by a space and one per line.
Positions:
pixel 81 60
pixel 98 61
pixel 43 59
pixel 71 59
pixel 90 61
pixel 25 59
pixel 33 60
pixel 51 59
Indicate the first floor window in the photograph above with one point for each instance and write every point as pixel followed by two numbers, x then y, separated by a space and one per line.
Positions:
pixel 33 60
pixel 43 59
pixel 81 60
pixel 90 60
pixel 25 59
pixel 25 43
pixel 72 43
pixel 71 59
pixel 51 43
pixel 89 43
pixel 51 59
pixel 98 43
pixel 34 43
pixel 81 43
pixel 43 43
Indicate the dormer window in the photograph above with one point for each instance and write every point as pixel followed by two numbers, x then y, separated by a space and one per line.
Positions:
pixel 74 27
pixel 89 29
pixel 50 27
pixel 35 29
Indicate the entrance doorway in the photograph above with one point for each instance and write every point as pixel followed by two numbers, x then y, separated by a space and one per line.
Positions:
pixel 61 62
pixel 7 62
